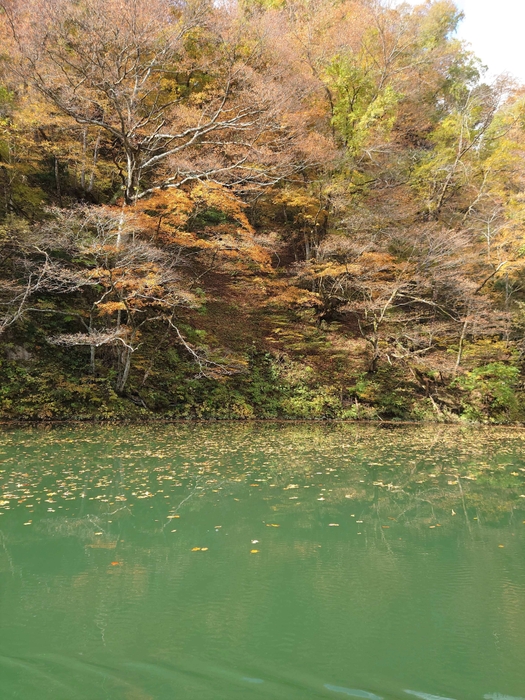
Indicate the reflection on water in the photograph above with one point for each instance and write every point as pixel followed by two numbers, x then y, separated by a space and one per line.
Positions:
pixel 262 561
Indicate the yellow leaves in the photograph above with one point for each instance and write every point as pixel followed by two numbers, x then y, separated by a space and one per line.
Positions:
pixel 209 217
pixel 254 551
pixel 377 259
pixel 333 269
pixel 272 525
pixel 307 209
pixel 214 196
pixel 285 294
pixel 164 212
pixel 111 307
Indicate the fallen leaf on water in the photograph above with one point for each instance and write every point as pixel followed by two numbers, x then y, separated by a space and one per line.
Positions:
pixel 204 549
pixel 196 549
pixel 254 551
pixel 333 525
pixel 385 527
pixel 272 525
pixel 115 563
pixel 501 546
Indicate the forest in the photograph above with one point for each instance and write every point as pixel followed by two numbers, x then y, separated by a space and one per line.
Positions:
pixel 300 209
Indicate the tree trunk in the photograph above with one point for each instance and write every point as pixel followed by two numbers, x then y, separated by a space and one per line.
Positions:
pixel 461 343
pixel 125 368
pixel 57 183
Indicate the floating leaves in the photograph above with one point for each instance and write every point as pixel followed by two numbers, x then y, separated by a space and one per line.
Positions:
pixel 165 472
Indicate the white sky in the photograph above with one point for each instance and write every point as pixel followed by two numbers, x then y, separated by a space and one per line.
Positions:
pixel 496 31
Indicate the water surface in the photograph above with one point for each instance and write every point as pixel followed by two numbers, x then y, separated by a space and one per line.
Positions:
pixel 208 562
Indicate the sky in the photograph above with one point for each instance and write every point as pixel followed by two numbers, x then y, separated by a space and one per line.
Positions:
pixel 496 31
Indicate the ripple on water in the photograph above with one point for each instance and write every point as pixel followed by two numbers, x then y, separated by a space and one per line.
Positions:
pixel 353 692
pixel 426 696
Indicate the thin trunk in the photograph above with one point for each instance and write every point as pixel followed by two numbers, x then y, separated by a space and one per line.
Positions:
pixel 374 341
pixel 306 248
pixel 119 233
pixel 95 160
pixel 462 342
pixel 83 171
pixel 57 183
pixel 126 366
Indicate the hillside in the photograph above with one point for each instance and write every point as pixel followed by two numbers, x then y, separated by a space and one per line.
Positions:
pixel 260 210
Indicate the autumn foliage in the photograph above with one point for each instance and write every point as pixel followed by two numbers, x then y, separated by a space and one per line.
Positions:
pixel 322 184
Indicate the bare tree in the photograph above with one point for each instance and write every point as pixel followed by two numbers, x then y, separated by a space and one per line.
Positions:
pixel 129 70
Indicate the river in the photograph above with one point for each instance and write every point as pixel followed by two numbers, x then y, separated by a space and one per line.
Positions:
pixel 244 561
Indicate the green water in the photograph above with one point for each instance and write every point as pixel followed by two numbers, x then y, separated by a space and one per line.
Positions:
pixel 389 563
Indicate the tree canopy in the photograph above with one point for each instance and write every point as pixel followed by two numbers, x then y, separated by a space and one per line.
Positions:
pixel 340 174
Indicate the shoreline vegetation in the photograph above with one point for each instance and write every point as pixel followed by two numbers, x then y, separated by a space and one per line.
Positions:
pixel 257 210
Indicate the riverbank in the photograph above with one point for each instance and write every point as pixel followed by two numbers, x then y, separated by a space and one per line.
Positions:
pixel 270 387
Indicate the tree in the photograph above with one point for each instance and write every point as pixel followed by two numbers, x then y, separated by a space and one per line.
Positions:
pixel 176 92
